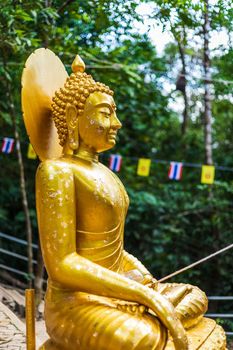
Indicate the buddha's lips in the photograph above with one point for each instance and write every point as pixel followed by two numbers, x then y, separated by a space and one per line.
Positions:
pixel 112 134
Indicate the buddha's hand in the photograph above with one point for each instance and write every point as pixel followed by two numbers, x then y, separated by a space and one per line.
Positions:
pixel 165 311
pixel 151 282
pixel 131 308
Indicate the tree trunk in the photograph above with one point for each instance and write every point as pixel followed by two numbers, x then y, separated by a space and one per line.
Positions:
pixel 181 42
pixel 24 197
pixel 184 91
pixel 22 176
pixel 38 282
pixel 214 274
pixel 207 98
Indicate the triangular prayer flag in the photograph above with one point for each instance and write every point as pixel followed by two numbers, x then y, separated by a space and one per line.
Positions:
pixel 31 154
pixel 115 162
pixel 8 145
pixel 207 174
pixel 175 171
pixel 143 167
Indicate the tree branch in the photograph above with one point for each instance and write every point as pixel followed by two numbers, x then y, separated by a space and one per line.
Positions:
pixel 66 3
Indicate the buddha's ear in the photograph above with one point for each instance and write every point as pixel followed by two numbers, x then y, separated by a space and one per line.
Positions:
pixel 71 116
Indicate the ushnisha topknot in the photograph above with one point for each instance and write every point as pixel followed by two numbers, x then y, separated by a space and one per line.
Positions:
pixel 76 90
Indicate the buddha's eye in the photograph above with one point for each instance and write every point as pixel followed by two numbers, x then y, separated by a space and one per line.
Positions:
pixel 105 114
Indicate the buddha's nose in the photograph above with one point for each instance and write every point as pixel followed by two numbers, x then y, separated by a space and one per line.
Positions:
pixel 116 124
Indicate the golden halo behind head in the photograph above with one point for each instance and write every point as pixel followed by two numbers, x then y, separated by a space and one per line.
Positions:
pixel 44 73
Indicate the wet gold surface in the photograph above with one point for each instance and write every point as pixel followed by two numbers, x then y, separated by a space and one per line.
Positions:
pixel 99 297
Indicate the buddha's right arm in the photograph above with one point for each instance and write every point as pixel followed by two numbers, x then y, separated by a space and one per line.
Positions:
pixel 56 211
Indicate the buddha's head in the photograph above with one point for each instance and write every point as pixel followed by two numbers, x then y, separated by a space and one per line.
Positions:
pixel 84 112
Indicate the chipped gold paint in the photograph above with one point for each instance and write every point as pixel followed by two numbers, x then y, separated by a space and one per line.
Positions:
pixel 99 297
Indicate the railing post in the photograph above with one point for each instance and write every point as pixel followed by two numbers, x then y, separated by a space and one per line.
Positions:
pixel 30 319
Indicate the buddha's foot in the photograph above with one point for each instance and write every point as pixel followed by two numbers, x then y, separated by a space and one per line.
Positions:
pixel 206 335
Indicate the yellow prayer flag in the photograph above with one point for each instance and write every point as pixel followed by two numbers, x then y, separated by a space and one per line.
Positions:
pixel 144 167
pixel 207 174
pixel 31 153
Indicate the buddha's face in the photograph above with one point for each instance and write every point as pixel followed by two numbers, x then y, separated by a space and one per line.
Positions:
pixel 99 124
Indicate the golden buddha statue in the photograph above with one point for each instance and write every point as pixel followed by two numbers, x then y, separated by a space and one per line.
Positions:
pixel 99 297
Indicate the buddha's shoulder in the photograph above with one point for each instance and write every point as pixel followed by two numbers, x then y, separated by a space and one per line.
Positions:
pixel 54 167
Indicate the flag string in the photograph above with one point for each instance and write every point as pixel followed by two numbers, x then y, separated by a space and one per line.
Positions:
pixel 135 159
pixel 208 257
pixel 167 162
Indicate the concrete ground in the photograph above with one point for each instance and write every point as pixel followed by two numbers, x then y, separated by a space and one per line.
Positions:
pixel 13 331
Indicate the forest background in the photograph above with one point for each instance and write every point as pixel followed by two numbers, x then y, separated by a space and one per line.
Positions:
pixel 170 223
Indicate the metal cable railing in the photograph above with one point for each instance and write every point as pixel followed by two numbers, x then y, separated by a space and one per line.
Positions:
pixel 17 240
pixel 15 255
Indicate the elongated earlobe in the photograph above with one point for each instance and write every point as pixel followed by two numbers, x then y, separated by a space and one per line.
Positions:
pixel 72 124
pixel 73 138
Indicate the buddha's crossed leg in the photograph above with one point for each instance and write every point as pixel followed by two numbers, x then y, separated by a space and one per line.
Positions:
pixel 189 301
pixel 77 321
